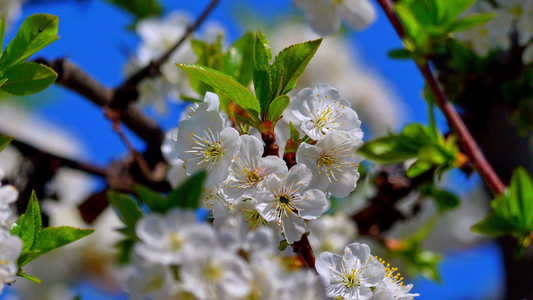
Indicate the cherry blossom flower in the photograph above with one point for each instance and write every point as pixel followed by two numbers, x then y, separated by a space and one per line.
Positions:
pixel 322 110
pixel 287 201
pixel 331 232
pixel 352 275
pixel 325 16
pixel 333 163
pixel 250 169
pixel 392 287
pixel 10 250
pixel 204 144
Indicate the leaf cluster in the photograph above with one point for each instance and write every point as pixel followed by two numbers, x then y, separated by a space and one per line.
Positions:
pixel 429 23
pixel 512 212
pixel 37 240
pixel 21 78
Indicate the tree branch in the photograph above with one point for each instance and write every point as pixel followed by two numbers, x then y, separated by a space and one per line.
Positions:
pixel 467 141
pixel 127 91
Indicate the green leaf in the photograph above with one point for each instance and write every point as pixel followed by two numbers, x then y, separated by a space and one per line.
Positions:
pixel 494 225
pixel 125 246
pixel 419 134
pixel 283 245
pixel 140 8
pixel 226 84
pixel 29 277
pixel 521 195
pixel 277 107
pixel 36 32
pixel 471 21
pixel 238 60
pixel 418 168
pixel 17 226
pixel 28 78
pixel 290 64
pixel 452 9
pixel 187 195
pixel 51 238
pixel 2 31
pixel 30 223
pixel 209 55
pixel 295 134
pixel 262 73
pixel 389 149
pixel 445 200
pixel 4 141
pixel 126 208
pixel 152 199
pixel 401 54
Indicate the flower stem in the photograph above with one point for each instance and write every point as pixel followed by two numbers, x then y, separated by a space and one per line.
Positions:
pixel 467 141
pixel 303 248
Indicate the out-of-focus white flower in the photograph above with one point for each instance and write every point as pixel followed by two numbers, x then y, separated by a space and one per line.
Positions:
pixel 10 250
pixel 150 279
pixel 305 285
pixel 157 37
pixel 333 163
pixel 210 272
pixel 204 144
pixel 322 110
pixel 351 275
pixel 250 169
pixel 8 195
pixel 286 201
pixel 165 239
pixel 331 232
pixel 325 16
pixel 11 9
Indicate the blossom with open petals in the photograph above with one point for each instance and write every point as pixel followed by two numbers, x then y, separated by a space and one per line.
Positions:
pixel 287 201
pixel 352 275
pixel 322 110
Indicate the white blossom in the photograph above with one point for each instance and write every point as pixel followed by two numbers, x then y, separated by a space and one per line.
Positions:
pixel 250 169
pixel 150 279
pixel 212 273
pixel 322 110
pixel 287 201
pixel 204 144
pixel 351 275
pixel 331 232
pixel 325 16
pixel 392 287
pixel 10 250
pixel 333 163
pixel 166 239
pixel 8 195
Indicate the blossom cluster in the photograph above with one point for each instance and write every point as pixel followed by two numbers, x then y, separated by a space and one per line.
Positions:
pixel 513 16
pixel 10 245
pixel 257 202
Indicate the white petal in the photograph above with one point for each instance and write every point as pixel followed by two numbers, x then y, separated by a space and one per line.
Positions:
pixel 358 13
pixel 313 205
pixel 293 228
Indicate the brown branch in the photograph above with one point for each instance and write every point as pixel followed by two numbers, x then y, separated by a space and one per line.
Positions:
pixel 127 91
pixel 467 141
pixel 30 151
pixel 303 248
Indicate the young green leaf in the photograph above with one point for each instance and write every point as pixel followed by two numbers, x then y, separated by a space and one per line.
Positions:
pixel 152 199
pixel 140 8
pixel 4 141
pixel 209 55
pixel 29 277
pixel 470 21
pixel 494 225
pixel 225 84
pixel 389 149
pixel 521 198
pixel 28 78
pixel 445 200
pixel 126 208
pixel 418 168
pixel 36 32
pixel 51 238
pixel 295 134
pixel 401 54
pixel 277 107
pixel 262 73
pixel 188 194
pixel 238 60
pixel 290 64
pixel 2 31
pixel 30 224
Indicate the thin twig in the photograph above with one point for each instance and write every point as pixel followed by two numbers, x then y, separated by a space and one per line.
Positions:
pixel 127 91
pixel 469 144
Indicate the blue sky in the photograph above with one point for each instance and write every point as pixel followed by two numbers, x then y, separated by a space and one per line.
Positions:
pixel 94 36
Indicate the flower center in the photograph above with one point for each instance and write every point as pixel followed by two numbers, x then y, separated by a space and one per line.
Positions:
pixel 323 118
pixel 212 272
pixel 175 242
pixel 214 151
pixel 254 219
pixel 284 200
pixel 325 160
pixel 352 279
